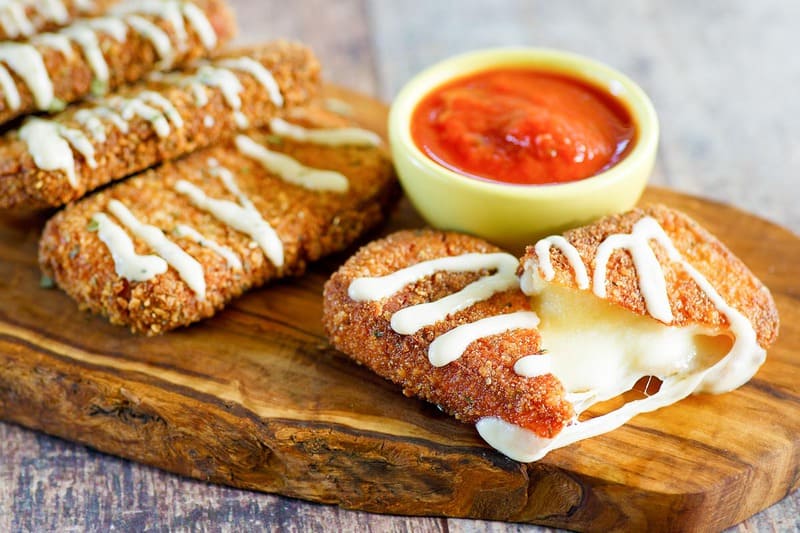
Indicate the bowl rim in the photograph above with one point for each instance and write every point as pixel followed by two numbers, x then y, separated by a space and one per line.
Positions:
pixel 584 68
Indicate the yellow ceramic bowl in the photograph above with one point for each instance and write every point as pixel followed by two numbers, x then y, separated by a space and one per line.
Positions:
pixel 515 215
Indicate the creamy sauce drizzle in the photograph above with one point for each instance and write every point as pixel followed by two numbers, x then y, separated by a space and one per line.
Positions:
pixel 27 63
pixel 730 372
pixel 451 345
pixel 242 216
pixel 15 21
pixel 188 268
pixel 291 170
pixel 49 145
pixel 328 137
pixel 188 232
pixel 56 41
pixel 259 72
pixel 651 276
pixel 127 263
pixel 157 37
pixel 542 250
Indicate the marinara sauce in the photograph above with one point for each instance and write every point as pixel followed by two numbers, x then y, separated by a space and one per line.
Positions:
pixel 522 126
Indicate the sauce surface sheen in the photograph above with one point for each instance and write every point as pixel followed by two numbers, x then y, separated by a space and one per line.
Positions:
pixel 522 126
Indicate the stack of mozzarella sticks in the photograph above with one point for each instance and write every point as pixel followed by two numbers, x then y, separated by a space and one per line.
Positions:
pixel 234 172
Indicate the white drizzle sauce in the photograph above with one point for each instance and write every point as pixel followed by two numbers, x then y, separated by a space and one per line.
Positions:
pixel 259 72
pixel 652 284
pixel 291 170
pixel 174 11
pixel 188 232
pixel 197 18
pixel 188 268
pixel 340 107
pixel 157 37
pixel 127 263
pixel 451 345
pixel 27 63
pixel 243 217
pixel 49 144
pixel 56 41
pixel 730 372
pixel 328 137
pixel 10 91
pixel 542 250
pixel 114 27
pixel 54 10
pixel 87 40
pixel 14 20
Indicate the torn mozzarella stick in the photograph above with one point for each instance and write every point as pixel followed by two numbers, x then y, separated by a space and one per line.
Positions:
pixel 645 297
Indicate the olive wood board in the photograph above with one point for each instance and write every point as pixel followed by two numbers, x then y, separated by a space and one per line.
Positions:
pixel 256 398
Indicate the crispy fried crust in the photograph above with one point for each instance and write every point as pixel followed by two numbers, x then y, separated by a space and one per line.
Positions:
pixel 40 22
pixel 128 61
pixel 310 224
pixel 482 382
pixel 729 276
pixel 23 185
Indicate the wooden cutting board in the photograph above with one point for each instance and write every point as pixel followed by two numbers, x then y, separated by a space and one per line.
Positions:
pixel 256 398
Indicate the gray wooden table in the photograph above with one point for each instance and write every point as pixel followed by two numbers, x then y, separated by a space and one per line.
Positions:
pixel 724 77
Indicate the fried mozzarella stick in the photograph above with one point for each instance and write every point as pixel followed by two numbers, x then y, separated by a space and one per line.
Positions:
pixel 23 18
pixel 94 55
pixel 442 315
pixel 647 302
pixel 50 162
pixel 175 244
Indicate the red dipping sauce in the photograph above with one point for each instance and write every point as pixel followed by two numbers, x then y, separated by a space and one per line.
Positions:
pixel 522 126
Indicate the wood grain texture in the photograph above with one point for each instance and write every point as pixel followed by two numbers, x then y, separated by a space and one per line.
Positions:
pixel 721 75
pixel 255 398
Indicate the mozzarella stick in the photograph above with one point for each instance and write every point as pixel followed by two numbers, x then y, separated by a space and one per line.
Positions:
pixel 49 162
pixel 95 55
pixel 173 245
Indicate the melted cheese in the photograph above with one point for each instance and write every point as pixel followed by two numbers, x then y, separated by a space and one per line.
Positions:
pixel 599 351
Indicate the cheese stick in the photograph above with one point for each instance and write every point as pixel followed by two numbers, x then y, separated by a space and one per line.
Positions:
pixel 52 161
pixel 627 315
pixel 173 245
pixel 93 56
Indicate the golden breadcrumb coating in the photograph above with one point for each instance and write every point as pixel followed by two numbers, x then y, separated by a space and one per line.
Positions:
pixel 24 185
pixel 690 305
pixel 482 382
pixel 310 224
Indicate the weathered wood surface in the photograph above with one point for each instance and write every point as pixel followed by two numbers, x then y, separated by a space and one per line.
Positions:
pixel 721 76
pixel 255 398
